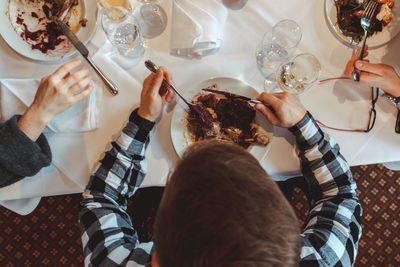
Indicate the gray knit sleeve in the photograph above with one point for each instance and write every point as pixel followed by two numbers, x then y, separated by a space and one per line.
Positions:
pixel 19 155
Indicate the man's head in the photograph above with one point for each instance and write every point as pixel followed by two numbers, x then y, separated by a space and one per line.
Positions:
pixel 220 208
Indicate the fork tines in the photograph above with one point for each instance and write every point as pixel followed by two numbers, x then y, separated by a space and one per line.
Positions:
pixel 370 9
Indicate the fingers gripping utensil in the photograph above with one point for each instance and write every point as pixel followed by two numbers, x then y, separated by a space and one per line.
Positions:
pixel 204 116
pixel 366 21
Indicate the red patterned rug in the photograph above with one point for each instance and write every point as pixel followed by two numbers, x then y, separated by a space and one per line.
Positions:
pixel 50 236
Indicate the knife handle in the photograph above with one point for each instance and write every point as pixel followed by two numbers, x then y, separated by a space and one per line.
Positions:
pixel 110 85
pixel 254 101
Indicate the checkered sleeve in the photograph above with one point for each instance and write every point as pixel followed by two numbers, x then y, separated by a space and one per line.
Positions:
pixel 333 226
pixel 108 236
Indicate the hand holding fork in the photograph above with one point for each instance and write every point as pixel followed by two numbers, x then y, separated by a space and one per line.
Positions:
pixel 366 22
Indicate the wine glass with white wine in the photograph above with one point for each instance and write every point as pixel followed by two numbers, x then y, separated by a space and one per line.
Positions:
pixel 298 74
pixel 109 4
pixel 123 31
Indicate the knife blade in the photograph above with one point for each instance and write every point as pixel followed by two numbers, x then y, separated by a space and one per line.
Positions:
pixel 85 53
pixel 232 95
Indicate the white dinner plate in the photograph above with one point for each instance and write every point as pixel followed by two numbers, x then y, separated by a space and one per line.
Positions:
pixel 180 134
pixel 8 10
pixel 376 40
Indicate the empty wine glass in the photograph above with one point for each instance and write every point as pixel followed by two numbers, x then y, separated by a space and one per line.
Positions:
pixel 276 47
pixel 152 18
pixel 298 74
pixel 122 29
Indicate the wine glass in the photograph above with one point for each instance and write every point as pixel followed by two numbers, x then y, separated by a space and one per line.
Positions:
pixel 123 31
pixel 298 74
pixel 152 18
pixel 110 3
pixel 276 47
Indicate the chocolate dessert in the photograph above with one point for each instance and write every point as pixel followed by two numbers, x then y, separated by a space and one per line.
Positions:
pixel 233 119
pixel 49 36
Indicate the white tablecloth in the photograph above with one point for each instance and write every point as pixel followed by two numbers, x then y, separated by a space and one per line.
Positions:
pixel 339 104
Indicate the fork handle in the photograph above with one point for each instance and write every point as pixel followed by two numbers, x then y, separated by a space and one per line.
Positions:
pixel 356 72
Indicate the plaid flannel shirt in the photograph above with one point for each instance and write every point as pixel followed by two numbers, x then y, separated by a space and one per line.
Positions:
pixel 330 236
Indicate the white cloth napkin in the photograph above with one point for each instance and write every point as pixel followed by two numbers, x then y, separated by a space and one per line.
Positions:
pixel 197 27
pixel 17 94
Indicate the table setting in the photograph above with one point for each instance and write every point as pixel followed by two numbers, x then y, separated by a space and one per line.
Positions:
pixel 230 46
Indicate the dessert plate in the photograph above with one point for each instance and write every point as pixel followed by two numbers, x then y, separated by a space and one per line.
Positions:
pixel 179 131
pixel 11 30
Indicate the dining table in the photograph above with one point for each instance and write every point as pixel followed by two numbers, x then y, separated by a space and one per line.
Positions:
pixel 338 103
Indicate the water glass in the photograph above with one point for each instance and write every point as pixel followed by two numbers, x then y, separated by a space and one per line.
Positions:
pixel 276 47
pixel 123 31
pixel 298 74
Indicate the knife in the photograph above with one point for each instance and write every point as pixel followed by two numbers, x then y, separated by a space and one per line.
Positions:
pixel 85 53
pixel 232 95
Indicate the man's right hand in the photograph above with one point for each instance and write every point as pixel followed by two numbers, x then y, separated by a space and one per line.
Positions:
pixel 287 109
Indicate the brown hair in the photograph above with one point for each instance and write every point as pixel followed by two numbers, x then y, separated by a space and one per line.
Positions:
pixel 220 208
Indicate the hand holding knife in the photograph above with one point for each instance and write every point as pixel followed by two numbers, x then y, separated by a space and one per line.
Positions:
pixel 85 53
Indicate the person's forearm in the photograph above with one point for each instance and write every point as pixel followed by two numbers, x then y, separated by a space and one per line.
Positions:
pixel 103 208
pixel 324 168
pixel 123 168
pixel 333 225
pixel 32 123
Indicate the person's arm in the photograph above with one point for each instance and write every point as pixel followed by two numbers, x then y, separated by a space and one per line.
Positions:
pixel 108 236
pixel 23 148
pixel 333 226
pixel 19 155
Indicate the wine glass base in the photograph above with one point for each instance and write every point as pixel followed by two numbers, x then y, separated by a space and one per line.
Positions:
pixel 271 87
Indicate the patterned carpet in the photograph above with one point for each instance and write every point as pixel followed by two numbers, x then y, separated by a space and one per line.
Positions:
pixel 50 235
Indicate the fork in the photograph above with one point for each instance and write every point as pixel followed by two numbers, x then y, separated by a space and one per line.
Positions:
pixel 366 20
pixel 204 116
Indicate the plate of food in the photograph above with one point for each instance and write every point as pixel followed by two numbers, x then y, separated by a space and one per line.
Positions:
pixel 27 26
pixel 231 119
pixel 344 20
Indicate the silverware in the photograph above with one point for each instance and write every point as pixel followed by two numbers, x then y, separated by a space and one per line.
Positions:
pixel 153 68
pixel 366 19
pixel 231 95
pixel 85 53
pixel 202 113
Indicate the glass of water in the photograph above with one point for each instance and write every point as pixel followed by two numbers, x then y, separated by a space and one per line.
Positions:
pixel 298 74
pixel 122 29
pixel 276 47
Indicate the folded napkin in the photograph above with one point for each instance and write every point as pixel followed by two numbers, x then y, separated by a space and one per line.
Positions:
pixel 17 94
pixel 197 27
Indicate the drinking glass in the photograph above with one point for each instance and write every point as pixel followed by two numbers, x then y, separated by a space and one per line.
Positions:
pixel 110 3
pixel 122 29
pixel 276 47
pixel 298 74
pixel 152 18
